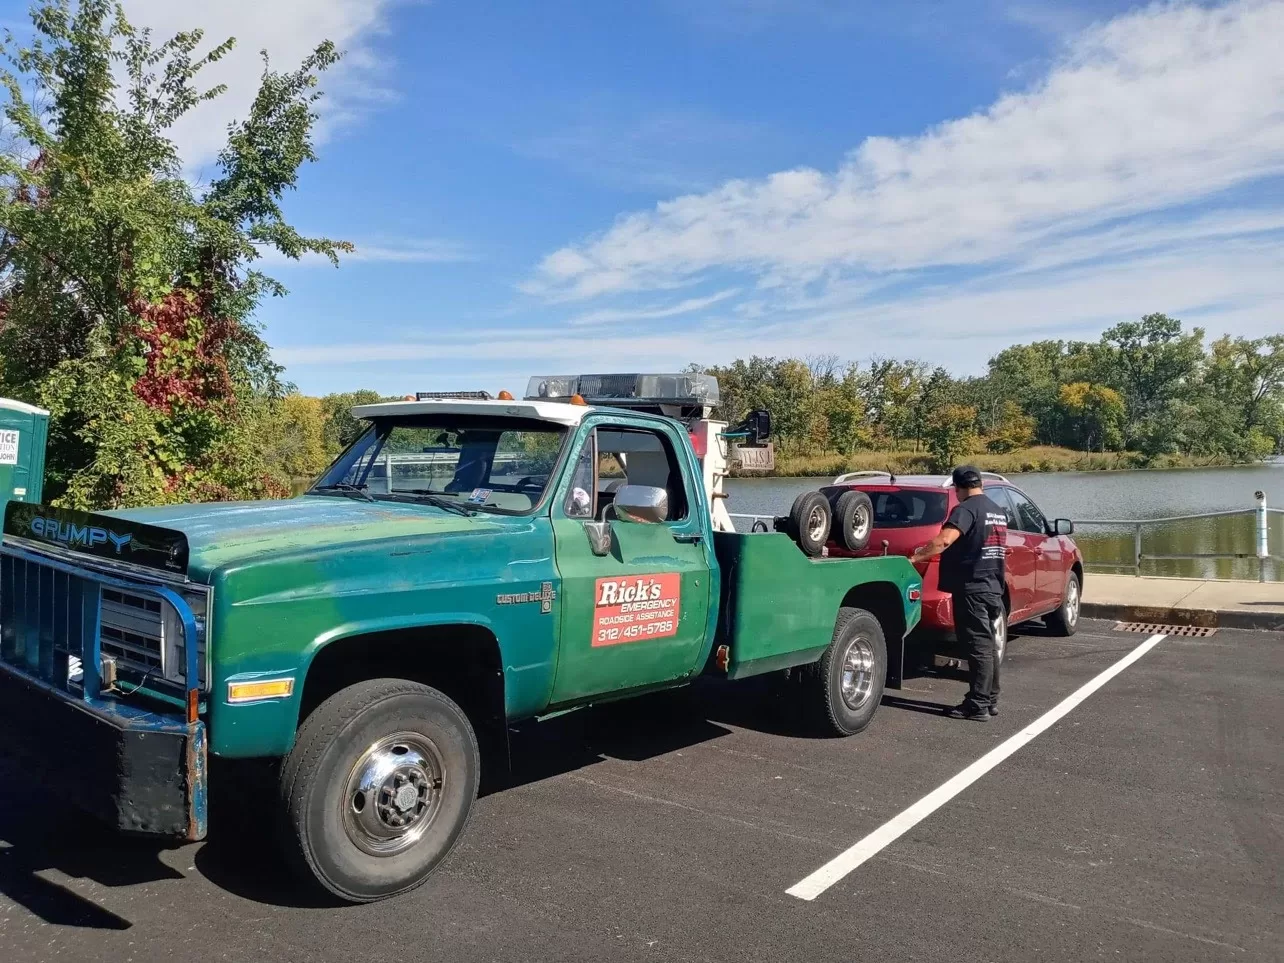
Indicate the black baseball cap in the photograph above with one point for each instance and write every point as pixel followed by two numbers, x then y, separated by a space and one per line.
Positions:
pixel 965 476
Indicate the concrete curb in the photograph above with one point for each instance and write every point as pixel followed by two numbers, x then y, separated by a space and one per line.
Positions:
pixel 1258 621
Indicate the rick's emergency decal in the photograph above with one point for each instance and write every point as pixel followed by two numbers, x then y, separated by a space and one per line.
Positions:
pixel 632 608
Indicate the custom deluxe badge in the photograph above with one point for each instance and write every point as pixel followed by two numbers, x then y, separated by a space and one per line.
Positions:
pixel 632 608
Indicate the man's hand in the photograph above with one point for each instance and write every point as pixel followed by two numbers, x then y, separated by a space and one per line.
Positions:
pixel 944 539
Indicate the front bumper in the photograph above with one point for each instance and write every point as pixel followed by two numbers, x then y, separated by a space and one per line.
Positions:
pixel 138 770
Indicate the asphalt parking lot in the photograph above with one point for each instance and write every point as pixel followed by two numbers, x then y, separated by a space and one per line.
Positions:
pixel 1148 823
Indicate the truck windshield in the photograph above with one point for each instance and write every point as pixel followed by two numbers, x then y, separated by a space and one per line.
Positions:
pixel 453 461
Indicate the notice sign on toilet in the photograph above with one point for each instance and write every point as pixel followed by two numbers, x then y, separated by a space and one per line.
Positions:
pixel 8 447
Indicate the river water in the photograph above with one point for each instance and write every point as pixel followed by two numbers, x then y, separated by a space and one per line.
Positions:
pixel 1121 495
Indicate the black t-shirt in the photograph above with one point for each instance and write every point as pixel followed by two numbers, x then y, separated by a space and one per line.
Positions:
pixel 974 563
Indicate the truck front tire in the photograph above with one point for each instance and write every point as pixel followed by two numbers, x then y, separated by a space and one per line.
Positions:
pixel 847 683
pixel 378 788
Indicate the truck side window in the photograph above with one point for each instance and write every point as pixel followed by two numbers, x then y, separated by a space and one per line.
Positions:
pixel 635 456
pixel 579 500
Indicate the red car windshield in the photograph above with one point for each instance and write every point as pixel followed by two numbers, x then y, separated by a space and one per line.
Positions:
pixel 909 508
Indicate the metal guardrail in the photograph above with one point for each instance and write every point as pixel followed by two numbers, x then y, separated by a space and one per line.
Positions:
pixel 1262 554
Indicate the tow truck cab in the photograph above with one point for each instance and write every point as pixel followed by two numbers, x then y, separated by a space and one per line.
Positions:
pixel 464 564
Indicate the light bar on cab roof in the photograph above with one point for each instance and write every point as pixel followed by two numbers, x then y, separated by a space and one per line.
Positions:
pixel 453 396
pixel 668 389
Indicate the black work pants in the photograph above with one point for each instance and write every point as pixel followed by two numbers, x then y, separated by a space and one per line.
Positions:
pixel 974 615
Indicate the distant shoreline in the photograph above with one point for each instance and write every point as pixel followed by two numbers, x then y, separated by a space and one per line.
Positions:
pixel 1023 461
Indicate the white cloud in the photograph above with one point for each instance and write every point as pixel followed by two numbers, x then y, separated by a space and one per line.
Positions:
pixel 412 251
pixel 1226 286
pixel 289 30
pixel 1160 107
pixel 616 315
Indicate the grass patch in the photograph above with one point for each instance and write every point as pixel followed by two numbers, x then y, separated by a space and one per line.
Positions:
pixel 1043 458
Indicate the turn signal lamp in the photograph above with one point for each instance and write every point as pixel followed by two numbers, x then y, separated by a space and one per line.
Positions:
pixel 259 689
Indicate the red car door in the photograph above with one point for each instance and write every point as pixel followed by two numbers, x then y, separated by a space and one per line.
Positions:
pixel 1022 560
pixel 1050 561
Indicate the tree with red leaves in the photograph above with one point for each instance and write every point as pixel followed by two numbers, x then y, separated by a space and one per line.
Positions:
pixel 127 298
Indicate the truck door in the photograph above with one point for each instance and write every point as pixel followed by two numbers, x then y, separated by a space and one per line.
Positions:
pixel 636 616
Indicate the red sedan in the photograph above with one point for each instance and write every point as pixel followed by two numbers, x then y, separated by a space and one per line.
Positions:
pixel 1044 567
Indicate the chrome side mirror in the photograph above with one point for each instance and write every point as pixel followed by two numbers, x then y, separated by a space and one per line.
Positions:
pixel 642 503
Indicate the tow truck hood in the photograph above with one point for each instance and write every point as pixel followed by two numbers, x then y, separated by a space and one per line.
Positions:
pixel 224 533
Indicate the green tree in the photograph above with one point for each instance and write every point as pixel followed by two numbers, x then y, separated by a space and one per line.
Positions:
pixel 891 392
pixel 1244 385
pixel 1093 415
pixel 1151 363
pixel 341 429
pixel 296 435
pixel 126 298
pixel 1012 429
pixel 1031 376
pixel 951 434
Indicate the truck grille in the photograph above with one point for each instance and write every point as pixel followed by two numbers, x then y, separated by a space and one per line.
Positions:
pixel 133 629
pixel 42 622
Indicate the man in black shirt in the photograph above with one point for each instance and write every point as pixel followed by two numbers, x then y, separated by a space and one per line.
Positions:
pixel 971 545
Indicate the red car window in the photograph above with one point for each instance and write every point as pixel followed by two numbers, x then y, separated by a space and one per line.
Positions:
pixel 909 508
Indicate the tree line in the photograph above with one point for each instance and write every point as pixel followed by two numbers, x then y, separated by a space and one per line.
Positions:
pixel 1148 387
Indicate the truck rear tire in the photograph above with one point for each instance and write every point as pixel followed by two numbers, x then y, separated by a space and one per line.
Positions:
pixel 847 683
pixel 378 788
pixel 809 522
pixel 853 520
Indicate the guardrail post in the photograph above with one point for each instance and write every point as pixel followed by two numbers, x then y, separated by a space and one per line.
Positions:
pixel 1136 549
pixel 1263 536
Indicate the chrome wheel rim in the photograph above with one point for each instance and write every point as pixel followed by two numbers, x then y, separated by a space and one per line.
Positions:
pixel 858 672
pixel 1000 626
pixel 393 794
pixel 817 524
pixel 1072 602
pixel 862 521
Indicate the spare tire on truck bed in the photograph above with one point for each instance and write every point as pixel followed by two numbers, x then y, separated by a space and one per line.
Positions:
pixel 809 522
pixel 853 520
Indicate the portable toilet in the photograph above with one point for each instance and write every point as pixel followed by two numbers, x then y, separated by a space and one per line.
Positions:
pixel 23 431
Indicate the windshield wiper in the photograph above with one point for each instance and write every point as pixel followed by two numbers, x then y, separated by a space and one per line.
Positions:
pixel 355 491
pixel 449 504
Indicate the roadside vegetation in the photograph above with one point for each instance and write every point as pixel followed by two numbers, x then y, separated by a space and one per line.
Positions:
pixel 127 294
pixel 1147 394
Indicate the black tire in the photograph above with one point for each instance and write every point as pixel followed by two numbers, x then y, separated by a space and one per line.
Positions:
pixel 1065 620
pixel 858 647
pixel 327 833
pixel 853 520
pixel 809 522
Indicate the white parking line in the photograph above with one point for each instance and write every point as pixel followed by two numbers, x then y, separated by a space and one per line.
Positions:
pixel 893 829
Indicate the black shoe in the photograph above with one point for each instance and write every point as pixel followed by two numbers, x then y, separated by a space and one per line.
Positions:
pixel 994 710
pixel 969 711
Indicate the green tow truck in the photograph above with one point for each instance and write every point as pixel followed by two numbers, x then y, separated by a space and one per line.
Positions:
pixel 466 563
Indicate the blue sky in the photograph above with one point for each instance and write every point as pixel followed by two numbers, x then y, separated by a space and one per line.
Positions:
pixel 566 186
